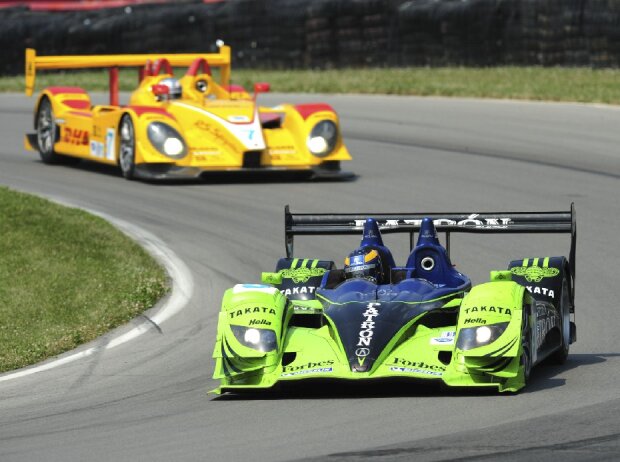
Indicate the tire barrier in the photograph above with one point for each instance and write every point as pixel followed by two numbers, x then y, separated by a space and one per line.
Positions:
pixel 331 33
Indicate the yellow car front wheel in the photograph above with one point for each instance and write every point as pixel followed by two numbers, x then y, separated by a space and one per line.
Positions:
pixel 127 148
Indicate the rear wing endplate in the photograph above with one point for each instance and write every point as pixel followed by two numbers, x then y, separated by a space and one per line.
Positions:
pixel 447 223
pixel 114 62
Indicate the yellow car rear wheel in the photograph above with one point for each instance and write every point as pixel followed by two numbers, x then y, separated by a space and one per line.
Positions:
pixel 47 135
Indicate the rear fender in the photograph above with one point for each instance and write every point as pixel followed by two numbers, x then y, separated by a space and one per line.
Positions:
pixel 551 284
pixel 71 107
pixel 298 278
pixel 65 101
pixel 542 277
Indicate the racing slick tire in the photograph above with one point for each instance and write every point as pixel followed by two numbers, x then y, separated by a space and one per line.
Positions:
pixel 47 135
pixel 526 355
pixel 559 357
pixel 127 147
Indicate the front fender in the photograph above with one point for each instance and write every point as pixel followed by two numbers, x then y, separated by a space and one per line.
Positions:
pixel 257 308
pixel 489 337
pixel 141 117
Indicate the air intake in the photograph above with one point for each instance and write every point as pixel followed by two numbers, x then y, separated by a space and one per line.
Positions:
pixel 251 159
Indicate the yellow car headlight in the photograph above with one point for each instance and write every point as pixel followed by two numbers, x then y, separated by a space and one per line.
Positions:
pixel 323 138
pixel 166 140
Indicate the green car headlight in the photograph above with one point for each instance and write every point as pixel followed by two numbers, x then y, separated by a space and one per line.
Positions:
pixel 474 337
pixel 259 339
pixel 166 140
pixel 323 138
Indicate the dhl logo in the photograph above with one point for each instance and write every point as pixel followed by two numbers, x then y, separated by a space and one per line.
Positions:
pixel 75 136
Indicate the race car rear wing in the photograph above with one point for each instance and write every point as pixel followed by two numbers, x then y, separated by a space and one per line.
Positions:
pixel 500 222
pixel 114 62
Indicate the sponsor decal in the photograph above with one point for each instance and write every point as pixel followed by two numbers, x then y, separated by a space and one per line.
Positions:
pixel 408 370
pixel 96 149
pixel 238 119
pixel 205 151
pixel 475 321
pixel 205 157
pixel 355 268
pixel 259 322
pixel 401 363
pixel 368 325
pixel 471 221
pixel 302 274
pixel 321 370
pixel 534 273
pixel 308 366
pixel 357 260
pixel 219 136
pixel 487 309
pixel 252 310
pixel 446 338
pixel 249 134
pixel 75 136
pixel 298 290
pixel 362 352
pixel 110 144
pixel 277 151
pixel 546 319
pixel 541 290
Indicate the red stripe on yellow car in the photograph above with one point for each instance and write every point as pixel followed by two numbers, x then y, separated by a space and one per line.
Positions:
pixel 59 90
pixel 306 110
pixel 80 113
pixel 77 103
pixel 140 110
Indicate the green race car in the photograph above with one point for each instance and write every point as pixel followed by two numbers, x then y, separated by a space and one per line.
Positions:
pixel 373 320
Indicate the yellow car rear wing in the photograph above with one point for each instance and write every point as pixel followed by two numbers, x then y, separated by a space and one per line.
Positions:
pixel 114 62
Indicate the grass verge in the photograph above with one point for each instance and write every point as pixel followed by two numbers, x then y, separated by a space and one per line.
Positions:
pixel 530 83
pixel 66 277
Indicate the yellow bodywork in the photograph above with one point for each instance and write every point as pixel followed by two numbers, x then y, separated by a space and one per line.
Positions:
pixel 221 125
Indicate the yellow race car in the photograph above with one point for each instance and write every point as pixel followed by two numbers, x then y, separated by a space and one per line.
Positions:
pixel 174 128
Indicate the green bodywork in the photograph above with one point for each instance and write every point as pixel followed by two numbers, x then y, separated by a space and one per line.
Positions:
pixel 416 351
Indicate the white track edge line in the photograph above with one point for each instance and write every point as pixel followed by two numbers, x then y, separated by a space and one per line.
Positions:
pixel 182 290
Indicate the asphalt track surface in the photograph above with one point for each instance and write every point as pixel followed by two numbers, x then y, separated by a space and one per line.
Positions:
pixel 146 399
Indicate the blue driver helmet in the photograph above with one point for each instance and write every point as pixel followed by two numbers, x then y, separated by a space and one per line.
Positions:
pixel 364 263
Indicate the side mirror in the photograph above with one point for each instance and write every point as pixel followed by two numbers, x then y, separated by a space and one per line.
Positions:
pixel 160 90
pixel 271 278
pixel 261 87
